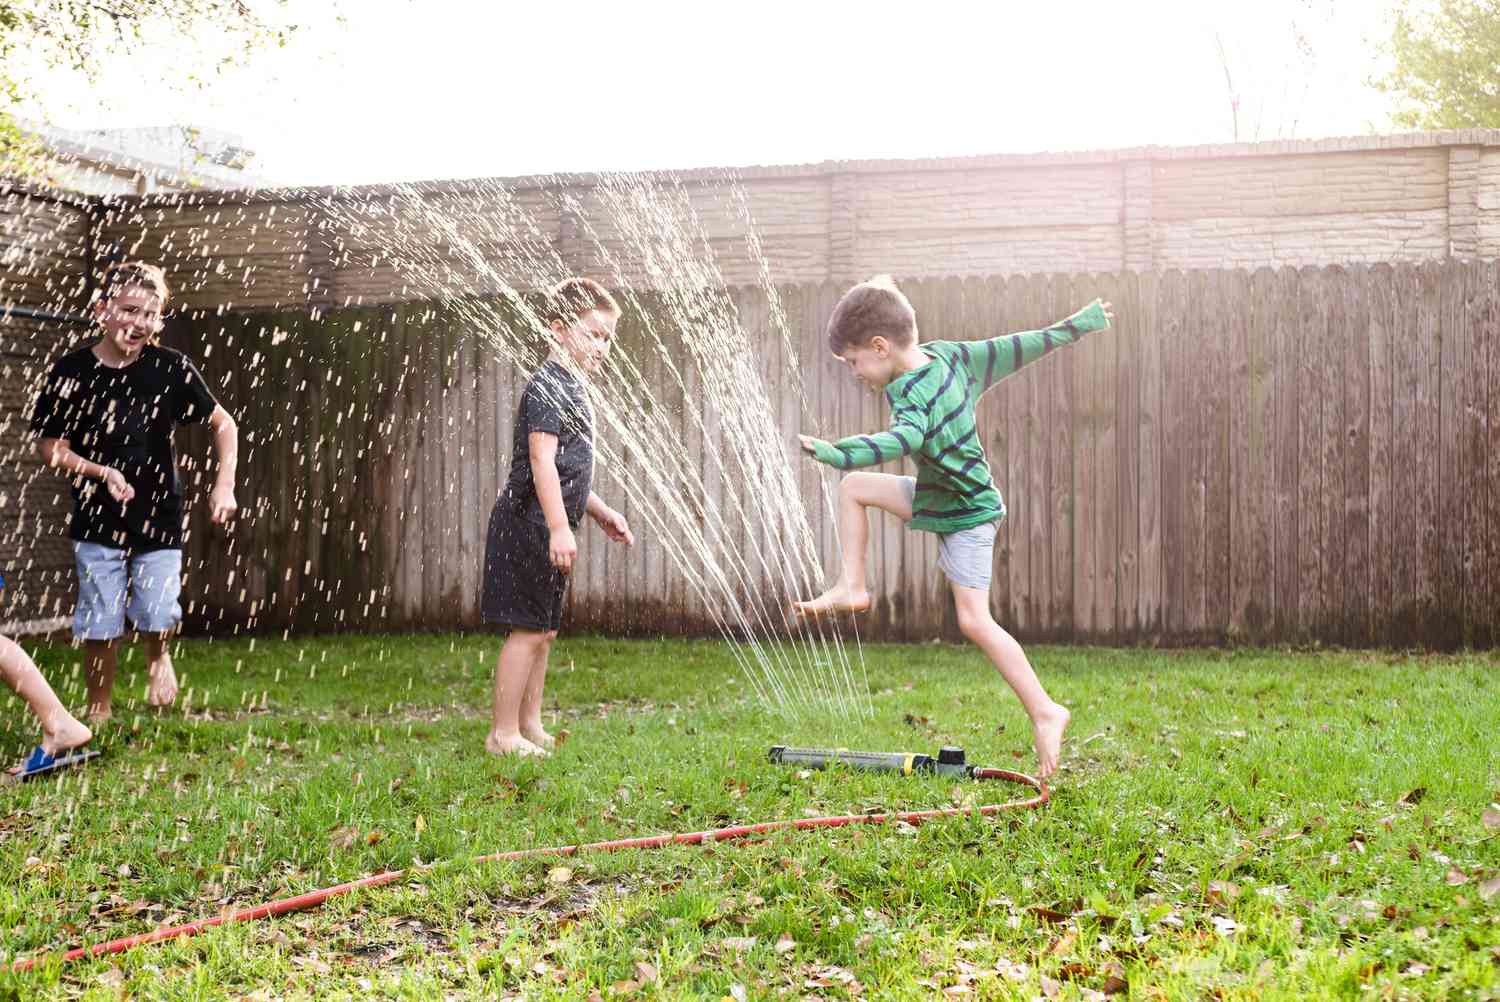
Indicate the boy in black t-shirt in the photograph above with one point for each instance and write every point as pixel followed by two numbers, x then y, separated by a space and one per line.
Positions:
pixel 530 546
pixel 105 416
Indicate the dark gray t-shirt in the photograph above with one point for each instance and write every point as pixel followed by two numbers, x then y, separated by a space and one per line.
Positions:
pixel 553 402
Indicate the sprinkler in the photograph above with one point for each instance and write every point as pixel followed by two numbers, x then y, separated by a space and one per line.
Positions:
pixel 949 761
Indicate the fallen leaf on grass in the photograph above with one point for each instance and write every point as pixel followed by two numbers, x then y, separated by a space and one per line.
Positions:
pixel 1221 892
pixel 644 973
pixel 1114 985
pixel 559 875
pixel 1075 971
pixel 374 838
pixel 785 943
pixel 343 837
pixel 1455 877
pixel 1412 797
pixel 1046 914
pixel 739 943
pixel 37 867
pixel 1050 988
pixel 1489 888
pixel 421 824
pixel 1491 818
pixel 1225 926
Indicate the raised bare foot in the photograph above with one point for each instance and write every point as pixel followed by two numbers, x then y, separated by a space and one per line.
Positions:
pixel 1047 733
pixel 538 737
pixel 162 688
pixel 517 745
pixel 839 598
pixel 68 735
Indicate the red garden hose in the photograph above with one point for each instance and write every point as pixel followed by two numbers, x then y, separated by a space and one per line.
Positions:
pixel 314 898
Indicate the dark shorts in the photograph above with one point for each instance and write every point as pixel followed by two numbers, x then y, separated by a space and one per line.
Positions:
pixel 521 587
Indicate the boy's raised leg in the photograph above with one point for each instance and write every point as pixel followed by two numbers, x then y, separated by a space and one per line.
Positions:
pixel 531 699
pixel 161 686
pixel 61 731
pixel 1048 719
pixel 99 674
pixel 512 672
pixel 857 492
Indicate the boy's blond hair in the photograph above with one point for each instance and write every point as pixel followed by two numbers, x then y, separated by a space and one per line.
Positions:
pixel 133 275
pixel 872 309
pixel 573 297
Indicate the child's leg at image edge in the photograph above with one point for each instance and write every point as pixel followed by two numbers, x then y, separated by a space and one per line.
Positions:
pixel 858 492
pixel 1048 719
pixel 514 672
pixel 60 729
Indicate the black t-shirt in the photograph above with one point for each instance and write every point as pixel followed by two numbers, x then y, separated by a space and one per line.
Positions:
pixel 124 418
pixel 554 402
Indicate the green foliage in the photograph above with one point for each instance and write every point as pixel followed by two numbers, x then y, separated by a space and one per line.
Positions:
pixel 1235 825
pixel 1447 65
pixel 76 35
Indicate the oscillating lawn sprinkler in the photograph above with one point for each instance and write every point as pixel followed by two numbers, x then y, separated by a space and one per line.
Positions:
pixel 949 761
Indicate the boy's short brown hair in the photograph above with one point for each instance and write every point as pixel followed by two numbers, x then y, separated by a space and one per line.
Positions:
pixel 573 297
pixel 869 310
pixel 133 275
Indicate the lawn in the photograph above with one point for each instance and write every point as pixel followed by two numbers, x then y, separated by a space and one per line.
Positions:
pixel 1245 824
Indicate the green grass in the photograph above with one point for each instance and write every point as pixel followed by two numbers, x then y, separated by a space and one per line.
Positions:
pixel 1227 825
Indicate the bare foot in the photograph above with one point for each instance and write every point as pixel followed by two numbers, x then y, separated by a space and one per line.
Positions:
pixel 162 689
pixel 98 715
pixel 517 745
pixel 69 735
pixel 1047 733
pixel 839 598
pixel 538 737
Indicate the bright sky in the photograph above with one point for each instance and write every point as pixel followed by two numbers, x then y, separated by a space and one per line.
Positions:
pixel 411 89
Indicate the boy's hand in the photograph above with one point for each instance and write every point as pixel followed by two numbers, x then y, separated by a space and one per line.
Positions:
pixel 119 487
pixel 222 504
pixel 1109 314
pixel 562 549
pixel 809 444
pixel 615 526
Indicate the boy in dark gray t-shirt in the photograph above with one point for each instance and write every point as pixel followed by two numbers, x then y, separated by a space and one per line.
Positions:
pixel 530 547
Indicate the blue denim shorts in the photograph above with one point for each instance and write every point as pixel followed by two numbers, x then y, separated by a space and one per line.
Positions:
pixel 114 584
pixel 967 557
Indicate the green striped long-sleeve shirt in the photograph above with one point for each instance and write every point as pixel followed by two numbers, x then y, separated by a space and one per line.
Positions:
pixel 932 421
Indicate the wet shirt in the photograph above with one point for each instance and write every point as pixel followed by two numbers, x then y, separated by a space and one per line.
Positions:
pixel 554 402
pixel 124 418
pixel 932 421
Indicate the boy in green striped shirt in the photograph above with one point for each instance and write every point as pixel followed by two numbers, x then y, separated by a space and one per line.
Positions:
pixel 932 389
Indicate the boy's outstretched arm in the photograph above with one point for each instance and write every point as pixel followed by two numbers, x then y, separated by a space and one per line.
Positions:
pixel 611 521
pixel 991 361
pixel 908 432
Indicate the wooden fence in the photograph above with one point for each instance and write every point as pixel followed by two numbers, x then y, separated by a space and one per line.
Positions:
pixel 1294 455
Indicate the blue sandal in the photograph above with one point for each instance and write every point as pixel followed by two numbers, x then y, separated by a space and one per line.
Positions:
pixel 40 762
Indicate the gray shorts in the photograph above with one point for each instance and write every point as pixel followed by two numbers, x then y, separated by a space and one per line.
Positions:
pixel 114 584
pixel 967 557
